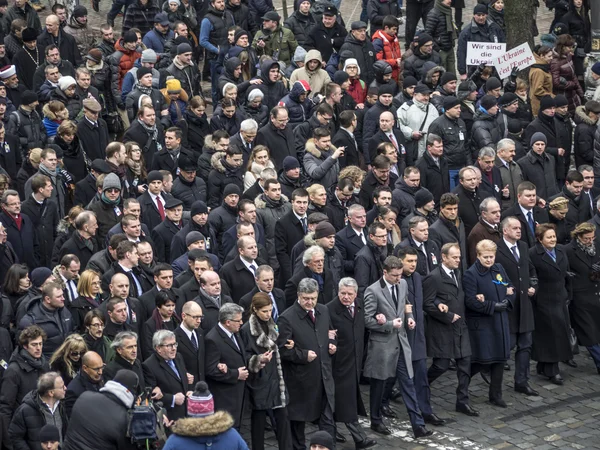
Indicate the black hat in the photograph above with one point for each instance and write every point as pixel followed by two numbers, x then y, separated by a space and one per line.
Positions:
pixel 162 19
pixel 101 166
pixel 422 89
pixel 422 197
pixel 29 34
pixel 450 102
pixel 560 29
pixel 57 149
pixel 198 207
pixel 514 126
pixel 560 100
pixel 289 163
pixel 480 9
pixel 547 102
pixel 186 164
pixel 424 38
pixel 143 71
pixel 447 77
pixel 231 189
pixel 324 229
pixel 492 83
pixel 127 379
pixel 538 137
pixel 184 48
pixel 330 11
pixel 28 97
pixel 508 99
pixel 154 175
pixel 593 106
pixel 172 202
pixel 192 237
pixel 488 101
pixel 358 25
pixel 239 33
pixel 271 15
pixel 80 11
pixel 387 88
pixel 129 37
pixel 409 81
pixel 322 438
pixel 49 433
pixel 340 77
pixel 3 100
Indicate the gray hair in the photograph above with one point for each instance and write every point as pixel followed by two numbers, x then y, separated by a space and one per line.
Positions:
pixel 8 193
pixel 354 209
pixel 228 311
pixel 268 173
pixel 487 151
pixel 504 143
pixel 311 252
pixel 248 125
pixel 263 268
pixel 46 382
pixel 433 138
pixel 120 338
pixel 415 220
pixel 485 203
pixel 585 167
pixel 82 219
pixel 348 282
pixel 161 336
pixel 307 286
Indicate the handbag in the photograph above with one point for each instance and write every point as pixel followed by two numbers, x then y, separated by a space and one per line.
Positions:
pixel 115 123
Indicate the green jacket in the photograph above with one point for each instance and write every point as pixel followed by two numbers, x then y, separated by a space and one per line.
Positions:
pixel 280 44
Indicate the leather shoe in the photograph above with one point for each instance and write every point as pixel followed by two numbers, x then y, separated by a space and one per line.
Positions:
pixel 381 429
pixel 526 390
pixel 498 402
pixel 452 365
pixel 339 437
pixel 367 443
pixel 422 432
pixel 506 366
pixel 388 412
pixel 466 409
pixel 571 363
pixel 396 395
pixel 433 420
pixel 557 379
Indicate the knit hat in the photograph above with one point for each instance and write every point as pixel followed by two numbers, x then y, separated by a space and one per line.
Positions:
pixel 465 88
pixel 324 229
pixel 142 71
pixel 299 54
pixel 238 34
pixel 173 86
pixel 79 11
pixel 351 62
pixel 172 203
pixel 289 163
pixel 422 197
pixel 39 275
pixel 596 68
pixel 492 83
pixel 111 181
pixel 94 55
pixel 340 77
pixel 154 175
pixel 92 104
pixel 149 56
pixel 49 433
pixel 593 106
pixel 184 48
pixel 65 82
pixel 129 37
pixel 537 137
pixel 231 189
pixel 186 164
pixel 254 94
pixel 177 2
pixel 3 100
pixel 480 9
pixel 560 100
pixel 29 34
pixel 316 218
pixel 200 403
pixel 487 102
pixel 547 102
pixel 514 126
pixel 322 438
pixel 450 102
pixel 422 89
pixel 424 38
pixel 409 81
pixel 228 86
pixel 560 29
pixel 193 236
pixel 508 99
pixel 128 379
pixel 198 207
pixel 29 97
pixel 387 88
pixel 447 77
pixel 7 72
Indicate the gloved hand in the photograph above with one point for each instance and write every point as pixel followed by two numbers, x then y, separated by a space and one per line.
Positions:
pixel 563 81
pixel 596 267
pixel 501 306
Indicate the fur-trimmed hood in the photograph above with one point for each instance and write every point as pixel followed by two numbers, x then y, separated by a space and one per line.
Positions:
pixel 262 204
pixel 257 168
pixel 209 145
pixel 59 280
pixel 216 423
pixel 63 113
pixel 216 161
pixel 309 239
pixel 581 115
pixel 311 148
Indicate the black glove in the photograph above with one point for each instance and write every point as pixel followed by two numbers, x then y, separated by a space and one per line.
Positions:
pixel 562 81
pixel 596 267
pixel 501 306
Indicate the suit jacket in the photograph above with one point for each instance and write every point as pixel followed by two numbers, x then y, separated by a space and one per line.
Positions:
pixel 539 216
pixel 150 215
pixel 468 207
pixel 288 232
pixel 246 301
pixel 164 161
pixel 158 373
pixel 227 390
pixel 403 158
pixel 425 264
pixel 416 337
pixel 193 359
pixel 148 301
pixel 162 235
pixel 351 155
pixel 146 282
pixel 493 188
pixel 385 341
pixel 239 278
pixel 349 244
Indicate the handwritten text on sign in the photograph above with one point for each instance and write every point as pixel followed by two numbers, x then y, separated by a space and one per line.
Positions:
pixel 484 52
pixel 520 57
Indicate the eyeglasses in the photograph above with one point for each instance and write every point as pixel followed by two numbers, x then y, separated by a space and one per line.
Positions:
pixel 76 353
pixel 170 346
pixel 97 325
pixel 234 320
pixel 380 236
pixel 196 317
pixel 97 369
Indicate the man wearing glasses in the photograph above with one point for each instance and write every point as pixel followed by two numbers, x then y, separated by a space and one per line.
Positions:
pixel 368 262
pixel 165 370
pixel 89 378
pixel 278 135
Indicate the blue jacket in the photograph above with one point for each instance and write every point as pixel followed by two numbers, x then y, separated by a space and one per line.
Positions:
pixel 212 432
pixel 416 337
pixel 130 79
pixel 156 41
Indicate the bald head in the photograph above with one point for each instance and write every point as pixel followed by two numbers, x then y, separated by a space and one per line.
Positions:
pixel 119 286
pixel 93 366
pixel 192 307
pixel 52 19
pixel 211 283
pixel 53 24
pixel 89 358
pixel 386 121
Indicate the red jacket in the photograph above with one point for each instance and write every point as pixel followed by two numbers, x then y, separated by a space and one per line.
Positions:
pixel 388 49
pixel 358 90
pixel 126 62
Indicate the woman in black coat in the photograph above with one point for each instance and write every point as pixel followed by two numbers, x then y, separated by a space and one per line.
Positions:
pixel 90 297
pixel 194 126
pixel 557 211
pixel 163 318
pixel 265 384
pixel 66 360
pixel 74 157
pixel 584 309
pixel 551 335
pixel 488 294
pixel 579 26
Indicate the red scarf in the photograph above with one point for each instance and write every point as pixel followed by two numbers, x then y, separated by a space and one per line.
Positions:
pixel 18 219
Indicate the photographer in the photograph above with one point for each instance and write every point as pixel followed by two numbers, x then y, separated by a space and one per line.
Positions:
pixel 274 40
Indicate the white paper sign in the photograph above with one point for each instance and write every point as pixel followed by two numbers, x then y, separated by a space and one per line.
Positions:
pixel 520 57
pixel 484 52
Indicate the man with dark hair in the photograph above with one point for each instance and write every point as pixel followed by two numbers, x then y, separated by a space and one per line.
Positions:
pixel 321 118
pixel 278 135
pixel 226 170
pixel 224 216
pixel 435 175
pixel 449 227
pixel 239 273
pixel 168 157
pixel 188 187
pixel 328 35
pixel 427 250
pixel 152 202
pixel 163 279
pixel 102 260
pixel 321 158
pixel 345 137
pixel 147 132
pixel 246 213
pixel 405 190
pixel 54 54
pixel 379 175
pixel 468 195
pixel 163 233
pixel 382 196
pixel 340 198
pixel 528 212
pixel 198 222
pixel 128 264
pixel 368 262
pixel 579 207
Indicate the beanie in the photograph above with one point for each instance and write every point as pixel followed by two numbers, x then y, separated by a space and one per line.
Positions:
pixel 39 275
pixel 129 37
pixel 193 236
pixel 254 94
pixel 154 175
pixel 492 83
pixel 324 229
pixel 508 99
pixel 94 55
pixel 111 181
pixel 340 77
pixel 387 88
pixel 184 48
pixel 173 86
pixel 447 77
pixel 488 101
pixel 450 102
pixel 537 137
pixel 28 97
pixel 65 82
pixel 142 71
pixel 422 197
pixel 560 29
pixel 201 402
pixel 149 56
pixel 79 11
pixel 127 379
pixel 198 207
pixel 596 68
pixel 480 9
pixel 49 433
pixel 409 81
pixel 289 163
pixel 547 102
pixel 238 34
pixel 299 54
pixel 186 164
pixel 231 189
pixel 514 126
pixel 424 38
pixel 322 438
pixel 560 100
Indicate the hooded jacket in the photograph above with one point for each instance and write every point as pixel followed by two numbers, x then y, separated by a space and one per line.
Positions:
pixel 220 176
pixel 387 48
pixel 584 137
pixel 272 90
pixel 198 433
pixel 300 24
pixel 317 79
pixel 228 77
pixel 413 65
pixel 319 165
pixel 84 36
pixel 297 112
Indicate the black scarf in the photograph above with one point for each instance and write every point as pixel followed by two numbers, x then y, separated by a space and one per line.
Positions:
pixel 37 364
pixel 274 204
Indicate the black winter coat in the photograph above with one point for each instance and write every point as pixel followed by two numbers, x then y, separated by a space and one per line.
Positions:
pixel 288 232
pixel 273 91
pixel 220 176
pixel 325 292
pixel 67 46
pixel 539 216
pixel 45 219
pixel 76 246
pixel 485 132
pixel 194 130
pixel 473 32
pixel 93 139
pixel 148 145
pixel 546 125
pixel 434 178
pixel 107 217
pixel 468 207
pixel 29 128
pixel 281 141
pixel 187 192
pixel 24 241
pixel 364 53
pixel 454 135
pixel 584 138
pixel 377 10
pixel 442 231
pixel 435 26
pixel 193 358
pixel 80 384
pixel 300 25
pixel 413 65
pixel 368 266
pixel 326 40
pixel 10 157
pixel 541 171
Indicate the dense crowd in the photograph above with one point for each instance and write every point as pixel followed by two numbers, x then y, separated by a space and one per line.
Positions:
pixel 351 213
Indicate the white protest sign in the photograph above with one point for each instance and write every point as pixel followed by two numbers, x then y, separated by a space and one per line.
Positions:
pixel 520 57
pixel 484 52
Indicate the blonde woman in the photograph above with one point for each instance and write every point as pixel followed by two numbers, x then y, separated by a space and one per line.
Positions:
pixel 90 297
pixel 318 198
pixel 259 160
pixel 67 358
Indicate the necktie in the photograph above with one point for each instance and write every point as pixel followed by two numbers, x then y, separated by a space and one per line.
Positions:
pixel 304 225
pixel 531 222
pixel 454 277
pixel 235 341
pixel 515 253
pixel 552 255
pixel 173 368
pixel 351 310
pixel 138 286
pixel 362 238
pixel 161 208
pixel 311 314
pixel 252 267
pixel 72 290
pixel 394 296
pixel 589 195
pixel 393 140
pixel 194 340
pixel 275 313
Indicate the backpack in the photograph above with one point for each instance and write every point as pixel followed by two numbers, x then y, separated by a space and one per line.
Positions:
pixel 145 424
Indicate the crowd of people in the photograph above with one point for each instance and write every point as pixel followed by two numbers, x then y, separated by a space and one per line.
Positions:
pixel 351 213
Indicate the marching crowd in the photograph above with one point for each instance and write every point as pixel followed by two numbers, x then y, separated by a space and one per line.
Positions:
pixel 352 213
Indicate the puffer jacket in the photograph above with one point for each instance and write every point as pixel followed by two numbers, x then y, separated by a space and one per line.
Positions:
pixel 387 48
pixel 55 333
pixel 584 137
pixel 319 165
pixel 364 53
pixel 273 91
pixel 241 16
pixel 220 176
pixel 378 9
pixel 300 25
pixel 132 103
pixel 485 132
pixel 73 104
pixel 413 65
pixel 52 121
pixel 317 79
pixel 214 431
pixel 140 16
pixel 454 134
pixel 489 32
pixel 28 126
pixel 565 82
pixel 122 60
pixel 84 36
pixel 436 28
pixel 268 213
pixel 297 112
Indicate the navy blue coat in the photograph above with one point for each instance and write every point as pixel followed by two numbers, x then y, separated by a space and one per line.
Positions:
pixel 24 241
pixel 489 331
pixel 416 337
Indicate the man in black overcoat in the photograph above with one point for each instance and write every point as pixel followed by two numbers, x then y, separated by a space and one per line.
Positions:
pixel 225 346
pixel 153 212
pixel 164 232
pixel 190 340
pixel 307 366
pixel 314 268
pixel 265 282
pixel 527 211
pixel 468 194
pixel 348 319
pixel 289 230
pixel 513 255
